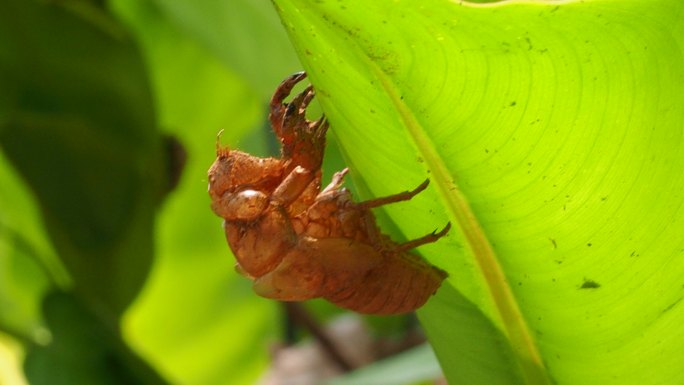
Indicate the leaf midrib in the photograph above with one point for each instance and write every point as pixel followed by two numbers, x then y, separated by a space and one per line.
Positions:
pixel 497 286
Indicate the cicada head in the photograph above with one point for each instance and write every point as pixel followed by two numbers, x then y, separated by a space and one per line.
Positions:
pixel 240 183
pixel 233 171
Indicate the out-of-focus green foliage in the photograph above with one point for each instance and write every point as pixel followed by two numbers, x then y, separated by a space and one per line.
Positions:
pixel 198 320
pixel 83 91
pixel 407 368
pixel 245 35
pixel 79 125
pixel 83 350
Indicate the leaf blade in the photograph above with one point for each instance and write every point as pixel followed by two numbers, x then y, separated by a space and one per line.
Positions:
pixel 529 109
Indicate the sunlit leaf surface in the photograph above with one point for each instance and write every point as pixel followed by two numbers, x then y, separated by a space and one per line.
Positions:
pixel 552 134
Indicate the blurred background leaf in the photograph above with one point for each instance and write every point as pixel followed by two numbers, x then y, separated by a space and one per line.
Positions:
pixel 245 35
pixel 79 126
pixel 197 321
pixel 413 366
pixel 83 350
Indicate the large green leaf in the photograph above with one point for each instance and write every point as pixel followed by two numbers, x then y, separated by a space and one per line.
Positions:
pixel 77 122
pixel 553 134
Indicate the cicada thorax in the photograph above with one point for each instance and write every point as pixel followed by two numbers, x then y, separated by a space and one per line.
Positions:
pixel 330 216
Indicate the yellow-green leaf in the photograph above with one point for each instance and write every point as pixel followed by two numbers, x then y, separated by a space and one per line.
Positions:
pixel 553 134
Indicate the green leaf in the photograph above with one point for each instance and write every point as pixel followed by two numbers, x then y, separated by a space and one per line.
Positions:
pixel 409 367
pixel 77 121
pixel 245 35
pixel 552 134
pixel 28 264
pixel 82 350
pixel 23 281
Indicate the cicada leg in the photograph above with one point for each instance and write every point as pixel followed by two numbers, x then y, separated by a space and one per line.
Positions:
pixel 303 141
pixel 278 108
pixel 336 182
pixel 402 196
pixel 292 186
pixel 429 238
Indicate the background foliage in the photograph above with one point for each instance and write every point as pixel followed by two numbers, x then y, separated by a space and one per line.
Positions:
pixel 86 95
pixel 552 133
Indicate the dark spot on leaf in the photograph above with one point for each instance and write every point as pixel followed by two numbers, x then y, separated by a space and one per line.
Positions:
pixel 529 43
pixel 672 305
pixel 589 284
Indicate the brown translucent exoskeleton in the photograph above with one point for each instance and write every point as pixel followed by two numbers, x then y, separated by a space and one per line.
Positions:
pixel 296 241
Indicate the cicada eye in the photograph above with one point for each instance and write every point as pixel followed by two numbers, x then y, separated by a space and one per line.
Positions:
pixel 248 204
pixel 245 205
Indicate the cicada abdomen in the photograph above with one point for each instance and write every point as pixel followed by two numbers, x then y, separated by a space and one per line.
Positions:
pixel 402 283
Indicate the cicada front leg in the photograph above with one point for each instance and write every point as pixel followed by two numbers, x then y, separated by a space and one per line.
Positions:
pixel 278 107
pixel 303 141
